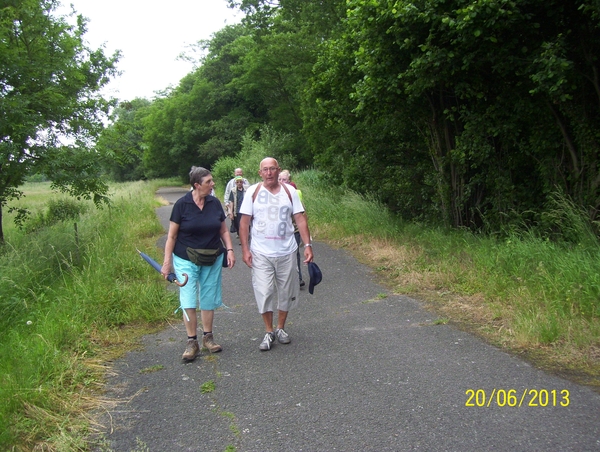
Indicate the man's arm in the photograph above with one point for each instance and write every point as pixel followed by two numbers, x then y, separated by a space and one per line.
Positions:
pixel 244 235
pixel 229 207
pixel 227 191
pixel 302 224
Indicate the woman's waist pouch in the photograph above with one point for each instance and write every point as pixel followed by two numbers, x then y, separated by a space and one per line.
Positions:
pixel 204 257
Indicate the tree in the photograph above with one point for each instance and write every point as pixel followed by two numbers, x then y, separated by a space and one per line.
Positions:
pixel 280 54
pixel 489 105
pixel 121 143
pixel 205 116
pixel 50 108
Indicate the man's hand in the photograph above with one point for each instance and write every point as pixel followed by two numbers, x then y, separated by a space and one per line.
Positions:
pixel 308 254
pixel 247 258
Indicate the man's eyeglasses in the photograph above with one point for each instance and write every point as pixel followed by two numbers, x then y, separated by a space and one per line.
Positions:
pixel 269 170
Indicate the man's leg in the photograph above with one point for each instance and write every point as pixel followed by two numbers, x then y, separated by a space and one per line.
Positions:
pixel 263 282
pixel 268 319
pixel 286 275
pixel 280 333
pixel 281 318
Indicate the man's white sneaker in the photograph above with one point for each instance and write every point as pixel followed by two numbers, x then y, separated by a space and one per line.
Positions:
pixel 267 342
pixel 282 336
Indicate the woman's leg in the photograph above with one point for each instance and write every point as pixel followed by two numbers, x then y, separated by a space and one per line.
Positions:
pixel 207 320
pixel 191 325
pixel 188 298
pixel 210 299
pixel 208 340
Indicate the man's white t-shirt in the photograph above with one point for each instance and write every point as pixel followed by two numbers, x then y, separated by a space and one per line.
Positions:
pixel 272 231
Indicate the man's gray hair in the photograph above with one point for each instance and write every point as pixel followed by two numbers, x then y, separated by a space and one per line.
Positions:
pixel 197 173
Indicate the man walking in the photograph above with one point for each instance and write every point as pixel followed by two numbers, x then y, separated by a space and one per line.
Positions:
pixel 269 207
pixel 231 184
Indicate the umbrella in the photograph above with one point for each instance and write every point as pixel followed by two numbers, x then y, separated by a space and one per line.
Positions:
pixel 158 267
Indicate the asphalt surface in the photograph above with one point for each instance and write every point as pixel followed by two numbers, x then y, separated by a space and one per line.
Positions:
pixel 366 370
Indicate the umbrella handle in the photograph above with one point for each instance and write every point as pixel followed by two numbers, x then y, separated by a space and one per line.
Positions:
pixel 172 278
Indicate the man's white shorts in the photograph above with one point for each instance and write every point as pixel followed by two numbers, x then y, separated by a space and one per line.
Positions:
pixel 275 281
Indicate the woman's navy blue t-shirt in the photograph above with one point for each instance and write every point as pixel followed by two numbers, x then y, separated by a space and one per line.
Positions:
pixel 198 229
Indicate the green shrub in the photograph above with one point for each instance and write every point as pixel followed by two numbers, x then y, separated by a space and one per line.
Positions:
pixel 270 144
pixel 56 211
pixel 64 209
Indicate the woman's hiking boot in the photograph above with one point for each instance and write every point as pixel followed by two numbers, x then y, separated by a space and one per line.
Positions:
pixel 191 350
pixel 208 342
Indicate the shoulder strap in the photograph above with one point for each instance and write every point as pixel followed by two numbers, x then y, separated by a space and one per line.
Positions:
pixel 255 194
pixel 288 193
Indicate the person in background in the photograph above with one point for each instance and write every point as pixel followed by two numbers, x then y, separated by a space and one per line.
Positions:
pixel 198 222
pixel 231 184
pixel 269 207
pixel 235 201
pixel 285 178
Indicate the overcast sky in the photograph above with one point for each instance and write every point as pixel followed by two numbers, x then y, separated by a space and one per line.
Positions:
pixel 150 35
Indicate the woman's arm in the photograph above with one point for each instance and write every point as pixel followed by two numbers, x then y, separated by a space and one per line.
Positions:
pixel 169 247
pixel 226 238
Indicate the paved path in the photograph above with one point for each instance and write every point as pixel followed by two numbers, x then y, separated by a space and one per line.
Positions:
pixel 367 370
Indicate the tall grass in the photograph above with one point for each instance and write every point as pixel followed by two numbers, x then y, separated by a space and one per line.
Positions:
pixel 342 212
pixel 538 291
pixel 65 294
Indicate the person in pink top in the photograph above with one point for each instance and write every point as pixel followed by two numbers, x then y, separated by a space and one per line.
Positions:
pixel 286 178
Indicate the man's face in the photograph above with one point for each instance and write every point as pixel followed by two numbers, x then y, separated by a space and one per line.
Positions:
pixel 239 172
pixel 239 184
pixel 269 171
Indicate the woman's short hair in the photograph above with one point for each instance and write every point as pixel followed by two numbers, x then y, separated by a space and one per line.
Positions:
pixel 197 173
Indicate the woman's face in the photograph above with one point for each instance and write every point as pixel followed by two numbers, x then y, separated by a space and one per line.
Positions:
pixel 205 186
pixel 284 179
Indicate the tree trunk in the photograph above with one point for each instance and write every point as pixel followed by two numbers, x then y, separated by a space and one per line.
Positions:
pixel 1 228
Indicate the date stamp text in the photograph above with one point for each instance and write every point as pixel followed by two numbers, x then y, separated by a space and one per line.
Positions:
pixel 517 398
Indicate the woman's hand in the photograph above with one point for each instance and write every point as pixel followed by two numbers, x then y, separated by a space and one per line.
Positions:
pixel 230 258
pixel 166 270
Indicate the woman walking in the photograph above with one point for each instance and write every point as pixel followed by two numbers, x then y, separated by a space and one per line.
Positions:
pixel 197 232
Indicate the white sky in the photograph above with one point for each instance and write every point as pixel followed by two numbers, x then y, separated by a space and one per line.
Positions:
pixel 150 35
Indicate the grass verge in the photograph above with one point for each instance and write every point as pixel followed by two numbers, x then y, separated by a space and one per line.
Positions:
pixel 74 294
pixel 534 297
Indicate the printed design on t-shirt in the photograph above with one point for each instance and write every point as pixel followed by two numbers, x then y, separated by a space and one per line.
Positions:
pixel 271 218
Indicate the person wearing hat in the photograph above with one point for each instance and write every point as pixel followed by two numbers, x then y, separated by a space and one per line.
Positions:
pixel 269 207
pixel 231 184
pixel 236 196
